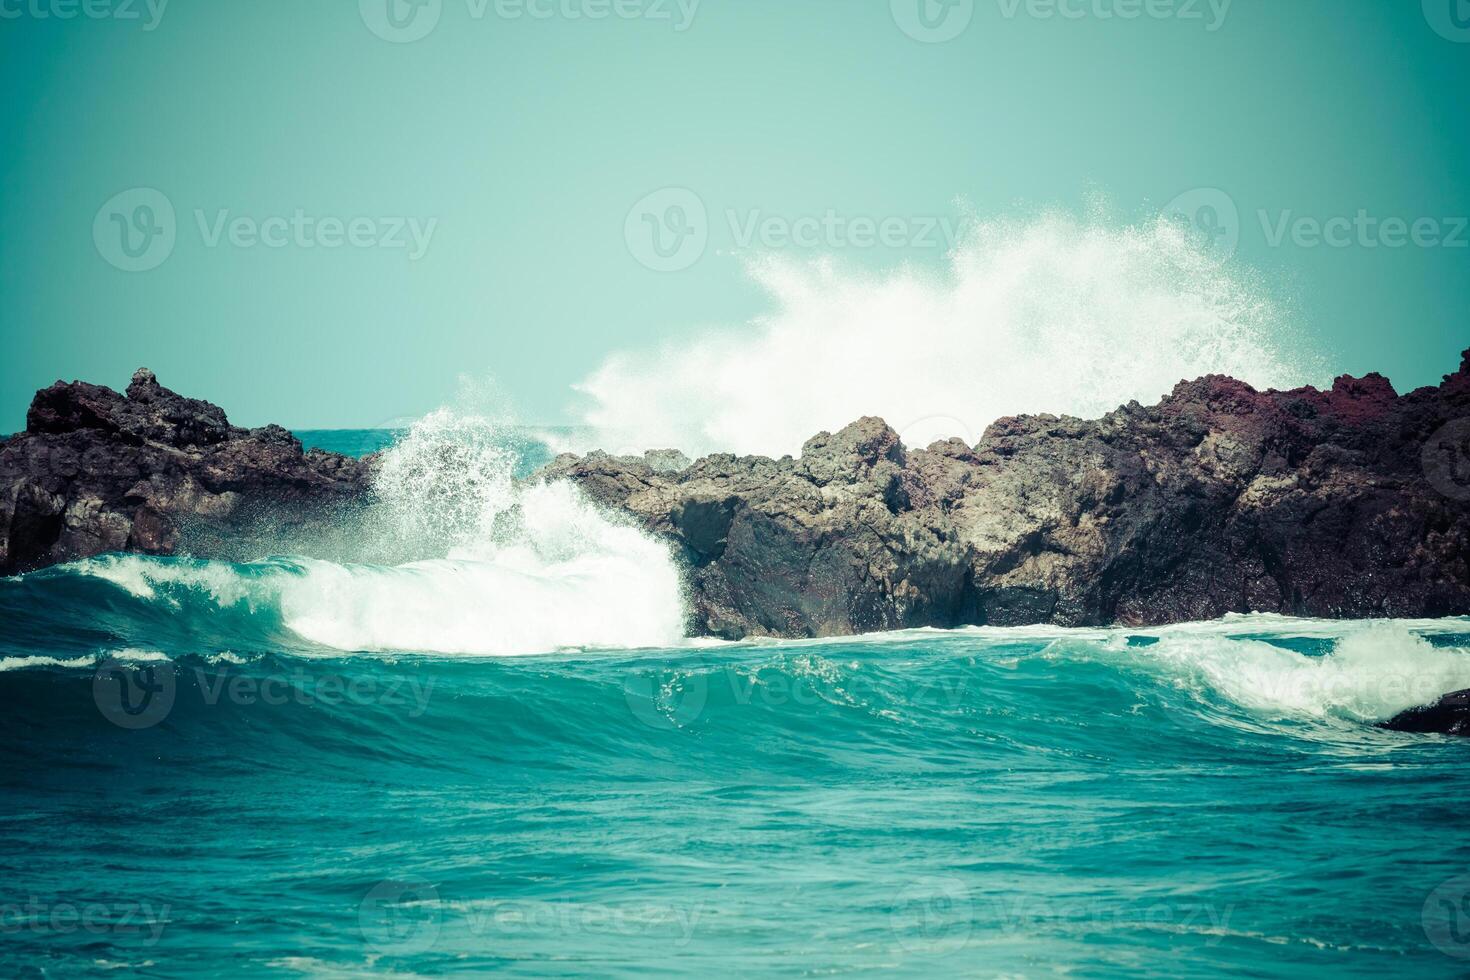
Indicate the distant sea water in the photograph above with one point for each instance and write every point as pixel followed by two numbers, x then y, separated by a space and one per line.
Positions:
pixel 498 754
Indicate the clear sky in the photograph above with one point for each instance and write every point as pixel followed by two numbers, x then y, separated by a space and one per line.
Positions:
pixel 516 135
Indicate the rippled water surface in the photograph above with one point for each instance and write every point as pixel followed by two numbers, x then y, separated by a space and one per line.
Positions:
pixel 1192 801
pixel 308 766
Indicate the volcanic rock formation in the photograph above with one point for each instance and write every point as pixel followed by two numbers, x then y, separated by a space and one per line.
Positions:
pixel 1351 502
pixel 154 472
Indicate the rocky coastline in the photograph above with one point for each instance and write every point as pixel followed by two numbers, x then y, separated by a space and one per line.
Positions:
pixel 1346 503
pixel 1352 502
pixel 153 472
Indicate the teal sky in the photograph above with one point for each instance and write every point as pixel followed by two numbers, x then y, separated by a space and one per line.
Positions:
pixel 526 141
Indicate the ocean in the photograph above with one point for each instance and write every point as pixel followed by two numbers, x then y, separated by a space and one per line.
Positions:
pixel 469 737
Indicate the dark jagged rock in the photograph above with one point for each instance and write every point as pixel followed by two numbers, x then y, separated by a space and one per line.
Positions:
pixel 152 471
pixel 1351 502
pixel 1450 715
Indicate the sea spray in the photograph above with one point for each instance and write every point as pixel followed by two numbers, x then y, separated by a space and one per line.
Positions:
pixel 1056 314
pixel 506 567
pixel 454 556
pixel 444 483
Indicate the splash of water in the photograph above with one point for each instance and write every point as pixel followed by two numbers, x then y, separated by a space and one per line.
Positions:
pixel 1053 315
pixel 442 486
pixel 504 568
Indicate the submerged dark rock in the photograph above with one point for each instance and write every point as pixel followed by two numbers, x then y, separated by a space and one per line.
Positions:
pixel 1351 502
pixel 1450 715
pixel 154 472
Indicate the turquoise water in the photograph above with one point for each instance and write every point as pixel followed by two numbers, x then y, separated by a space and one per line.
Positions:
pixel 196 782
pixel 531 452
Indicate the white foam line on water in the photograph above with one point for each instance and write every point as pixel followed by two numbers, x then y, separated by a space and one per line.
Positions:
pixel 1374 671
pixel 128 654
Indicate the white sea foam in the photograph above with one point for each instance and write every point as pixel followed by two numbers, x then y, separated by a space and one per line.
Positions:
pixel 567 578
pixel 500 568
pixel 129 654
pixel 1057 315
pixel 22 663
pixel 144 577
pixel 509 569
pixel 1374 671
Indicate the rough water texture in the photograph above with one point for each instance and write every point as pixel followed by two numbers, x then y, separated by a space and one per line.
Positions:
pixel 1191 801
pixel 327 767
pixel 1350 502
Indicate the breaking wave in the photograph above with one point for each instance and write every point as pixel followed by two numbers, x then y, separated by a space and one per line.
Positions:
pixel 488 565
